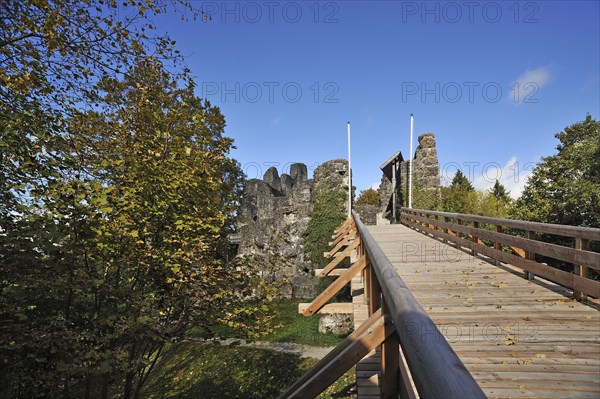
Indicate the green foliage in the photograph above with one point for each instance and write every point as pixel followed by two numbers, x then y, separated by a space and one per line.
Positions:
pixel 290 326
pixel 564 188
pixel 116 191
pixel 459 196
pixel 499 192
pixel 474 202
pixel 461 182
pixel 327 215
pixel 368 197
pixel 211 372
pixel 423 198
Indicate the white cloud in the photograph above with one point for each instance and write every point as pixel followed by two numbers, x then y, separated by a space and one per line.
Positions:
pixel 525 89
pixel 375 185
pixel 513 176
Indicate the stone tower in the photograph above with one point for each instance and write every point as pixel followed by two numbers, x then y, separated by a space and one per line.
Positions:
pixel 426 174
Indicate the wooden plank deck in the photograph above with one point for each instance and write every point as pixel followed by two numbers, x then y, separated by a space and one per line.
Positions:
pixel 518 338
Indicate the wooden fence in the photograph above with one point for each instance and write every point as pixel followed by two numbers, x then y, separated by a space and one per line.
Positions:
pixel 518 242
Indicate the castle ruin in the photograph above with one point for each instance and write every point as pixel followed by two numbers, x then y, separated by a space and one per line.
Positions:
pixel 274 214
pixel 275 211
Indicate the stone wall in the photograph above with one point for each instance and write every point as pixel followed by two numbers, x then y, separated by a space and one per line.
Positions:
pixel 273 217
pixel 425 173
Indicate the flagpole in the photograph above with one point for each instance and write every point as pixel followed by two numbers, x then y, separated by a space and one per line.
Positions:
pixel 349 177
pixel 410 163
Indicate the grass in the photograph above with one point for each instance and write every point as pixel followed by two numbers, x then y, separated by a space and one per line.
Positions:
pixel 290 327
pixel 200 370
pixel 294 327
pixel 194 370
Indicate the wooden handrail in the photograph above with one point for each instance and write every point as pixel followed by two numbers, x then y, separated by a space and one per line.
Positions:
pixel 436 369
pixel 588 233
pixel 580 256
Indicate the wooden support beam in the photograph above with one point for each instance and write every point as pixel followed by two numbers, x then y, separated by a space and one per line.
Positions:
pixel 351 232
pixel 343 225
pixel 356 334
pixel 337 285
pixel 335 272
pixel 518 251
pixel 328 373
pixel 330 308
pixel 339 257
pixel 347 240
pixel 343 230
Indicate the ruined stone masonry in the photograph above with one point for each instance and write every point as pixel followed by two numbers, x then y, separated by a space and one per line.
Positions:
pixel 426 173
pixel 274 214
pixel 275 211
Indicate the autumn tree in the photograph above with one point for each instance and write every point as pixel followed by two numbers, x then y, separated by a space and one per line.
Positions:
pixel 116 189
pixel 368 197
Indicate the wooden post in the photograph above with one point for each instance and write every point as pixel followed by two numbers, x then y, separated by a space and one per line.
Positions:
pixel 530 255
pixel 456 244
pixel 368 273
pixel 374 291
pixel 475 238
pixel 497 245
pixel 447 230
pixel 390 363
pixel 581 270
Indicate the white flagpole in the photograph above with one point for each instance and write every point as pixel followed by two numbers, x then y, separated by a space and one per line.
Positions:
pixel 349 177
pixel 410 163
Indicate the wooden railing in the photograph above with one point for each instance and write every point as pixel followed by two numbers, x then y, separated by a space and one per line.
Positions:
pixel 517 242
pixel 397 321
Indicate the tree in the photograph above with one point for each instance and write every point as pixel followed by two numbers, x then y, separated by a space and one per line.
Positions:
pixel 461 182
pixel 368 197
pixel 564 188
pixel 499 192
pixel 460 196
pixel 116 187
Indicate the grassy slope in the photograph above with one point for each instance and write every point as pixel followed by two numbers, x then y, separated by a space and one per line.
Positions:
pixel 195 370
pixel 192 371
pixel 294 327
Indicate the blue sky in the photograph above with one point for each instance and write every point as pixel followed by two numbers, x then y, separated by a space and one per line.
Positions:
pixel 493 80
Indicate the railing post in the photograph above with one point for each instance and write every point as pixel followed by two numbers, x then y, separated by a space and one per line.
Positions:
pixel 497 245
pixel 529 254
pixel 447 230
pixel 474 237
pixel 374 291
pixel 456 244
pixel 390 364
pixel 580 270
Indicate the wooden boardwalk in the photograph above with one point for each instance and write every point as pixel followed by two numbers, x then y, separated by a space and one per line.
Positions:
pixel 518 338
